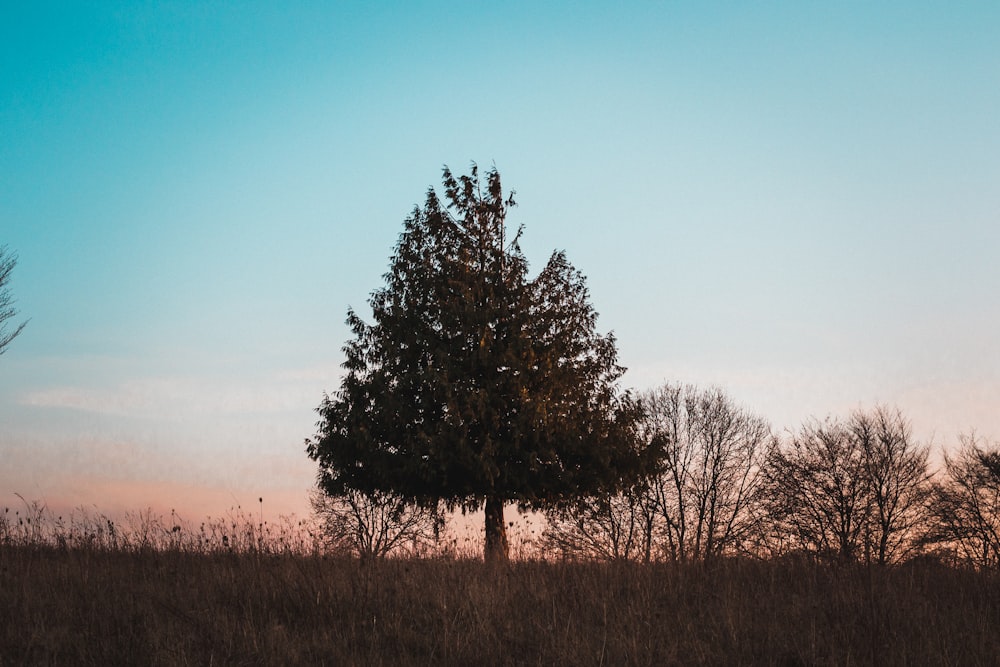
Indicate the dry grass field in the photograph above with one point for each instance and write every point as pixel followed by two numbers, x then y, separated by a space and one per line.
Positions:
pixel 98 606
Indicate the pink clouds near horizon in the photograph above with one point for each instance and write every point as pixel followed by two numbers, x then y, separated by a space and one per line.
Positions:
pixel 129 460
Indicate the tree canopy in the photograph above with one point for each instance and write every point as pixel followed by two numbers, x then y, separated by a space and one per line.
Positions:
pixel 476 384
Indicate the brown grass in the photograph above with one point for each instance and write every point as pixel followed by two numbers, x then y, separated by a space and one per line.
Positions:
pixel 161 607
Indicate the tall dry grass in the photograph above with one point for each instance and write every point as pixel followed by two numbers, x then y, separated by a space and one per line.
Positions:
pixel 86 590
pixel 238 531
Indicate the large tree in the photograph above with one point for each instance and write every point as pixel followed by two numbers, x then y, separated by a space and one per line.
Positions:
pixel 7 312
pixel 476 385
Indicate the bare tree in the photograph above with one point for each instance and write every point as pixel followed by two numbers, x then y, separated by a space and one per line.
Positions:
pixel 615 527
pixel 818 491
pixel 374 525
pixel 7 311
pixel 898 481
pixel 966 504
pixel 712 455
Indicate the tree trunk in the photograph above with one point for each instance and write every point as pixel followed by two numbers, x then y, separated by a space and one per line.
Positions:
pixel 497 549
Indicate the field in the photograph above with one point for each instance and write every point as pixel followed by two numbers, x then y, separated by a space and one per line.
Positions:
pixel 97 606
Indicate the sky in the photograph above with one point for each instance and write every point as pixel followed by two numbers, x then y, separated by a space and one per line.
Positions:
pixel 796 201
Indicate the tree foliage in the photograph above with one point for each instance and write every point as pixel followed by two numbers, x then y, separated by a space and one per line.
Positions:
pixel 475 384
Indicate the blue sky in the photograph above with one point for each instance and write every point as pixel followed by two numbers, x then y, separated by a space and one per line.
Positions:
pixel 798 201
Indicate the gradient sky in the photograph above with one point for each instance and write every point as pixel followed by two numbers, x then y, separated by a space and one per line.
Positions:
pixel 798 201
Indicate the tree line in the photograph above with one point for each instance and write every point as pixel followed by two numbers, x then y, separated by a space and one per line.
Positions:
pixel 839 489
pixel 477 386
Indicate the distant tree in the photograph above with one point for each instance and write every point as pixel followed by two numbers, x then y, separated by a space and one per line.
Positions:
pixel 698 500
pixel 475 385
pixel 616 526
pixel 7 312
pixel 898 479
pixel 850 489
pixel 966 503
pixel 374 525
pixel 818 491
pixel 712 452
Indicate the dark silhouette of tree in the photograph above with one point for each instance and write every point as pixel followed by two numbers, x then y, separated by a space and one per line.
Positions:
pixel 966 504
pixel 712 452
pixel 850 489
pixel 818 492
pixel 612 527
pixel 373 525
pixel 898 479
pixel 698 503
pixel 475 385
pixel 7 311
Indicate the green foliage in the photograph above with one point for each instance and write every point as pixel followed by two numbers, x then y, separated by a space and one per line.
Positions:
pixel 474 381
